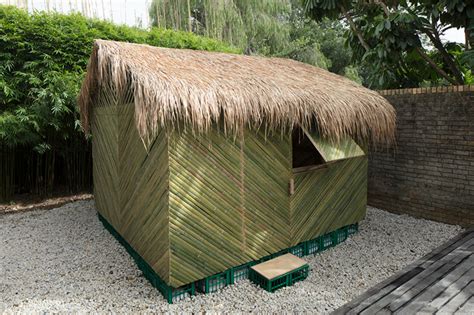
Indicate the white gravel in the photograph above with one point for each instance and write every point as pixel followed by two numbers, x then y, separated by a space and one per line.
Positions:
pixel 63 260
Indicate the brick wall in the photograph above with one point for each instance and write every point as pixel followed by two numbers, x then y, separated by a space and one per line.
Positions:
pixel 430 171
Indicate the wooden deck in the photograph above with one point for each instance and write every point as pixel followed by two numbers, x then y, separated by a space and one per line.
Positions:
pixel 441 282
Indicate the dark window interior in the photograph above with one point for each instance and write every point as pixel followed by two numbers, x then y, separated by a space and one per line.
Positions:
pixel 304 152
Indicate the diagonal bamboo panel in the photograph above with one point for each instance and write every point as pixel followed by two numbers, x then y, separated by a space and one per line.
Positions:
pixel 328 198
pixel 229 203
pixel 105 154
pixel 266 199
pixel 143 196
pixel 131 184
pixel 105 166
pixel 205 203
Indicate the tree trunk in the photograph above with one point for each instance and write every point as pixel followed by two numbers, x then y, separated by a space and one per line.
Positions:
pixel 190 26
pixel 436 40
pixel 354 28
pixel 469 44
pixel 384 8
pixel 7 160
pixel 434 65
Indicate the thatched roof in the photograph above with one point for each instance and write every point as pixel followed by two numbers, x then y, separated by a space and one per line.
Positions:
pixel 200 87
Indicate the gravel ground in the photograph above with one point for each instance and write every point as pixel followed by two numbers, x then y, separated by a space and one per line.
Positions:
pixel 63 260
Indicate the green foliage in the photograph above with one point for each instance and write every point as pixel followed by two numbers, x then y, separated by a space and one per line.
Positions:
pixel 43 57
pixel 265 27
pixel 352 72
pixel 304 42
pixel 399 42
pixel 255 26
pixel 328 36
pixel 320 44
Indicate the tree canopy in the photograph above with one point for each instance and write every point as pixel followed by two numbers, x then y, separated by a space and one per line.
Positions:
pixel 252 25
pixel 265 27
pixel 399 42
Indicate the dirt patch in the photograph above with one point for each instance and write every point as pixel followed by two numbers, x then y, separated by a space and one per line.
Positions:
pixel 28 203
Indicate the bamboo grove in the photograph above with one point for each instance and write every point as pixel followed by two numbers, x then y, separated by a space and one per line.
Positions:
pixel 43 57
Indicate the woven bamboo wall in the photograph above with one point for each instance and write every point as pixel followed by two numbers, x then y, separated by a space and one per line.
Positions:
pixel 267 167
pixel 228 203
pixel 328 198
pixel 131 185
pixel 105 166
pixel 196 205
pixel 205 221
pixel 144 194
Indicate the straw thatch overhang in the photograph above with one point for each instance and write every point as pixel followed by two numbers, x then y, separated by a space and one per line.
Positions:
pixel 199 88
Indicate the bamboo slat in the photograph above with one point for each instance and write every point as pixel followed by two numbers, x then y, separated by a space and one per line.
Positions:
pixel 267 174
pixel 228 204
pixel 131 184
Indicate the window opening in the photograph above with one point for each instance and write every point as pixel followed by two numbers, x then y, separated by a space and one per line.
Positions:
pixel 304 152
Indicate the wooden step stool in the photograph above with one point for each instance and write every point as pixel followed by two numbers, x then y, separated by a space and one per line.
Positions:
pixel 279 272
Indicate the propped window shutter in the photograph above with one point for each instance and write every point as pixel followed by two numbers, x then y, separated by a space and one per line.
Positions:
pixel 333 151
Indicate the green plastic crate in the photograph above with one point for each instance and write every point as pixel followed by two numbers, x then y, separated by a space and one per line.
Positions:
pixel 298 250
pixel 299 274
pixel 339 235
pixel 285 280
pixel 181 293
pixel 240 272
pixel 326 241
pixel 232 275
pixel 352 229
pixel 312 247
pixel 215 282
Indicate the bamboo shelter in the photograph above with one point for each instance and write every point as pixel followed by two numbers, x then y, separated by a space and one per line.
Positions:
pixel 204 161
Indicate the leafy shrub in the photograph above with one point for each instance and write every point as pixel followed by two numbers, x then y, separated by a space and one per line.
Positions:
pixel 43 57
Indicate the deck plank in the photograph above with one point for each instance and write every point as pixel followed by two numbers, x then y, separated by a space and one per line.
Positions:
pixel 279 266
pixel 390 284
pixel 438 287
pixel 448 294
pixel 441 280
pixel 467 308
pixel 456 302
pixel 428 275
pixel 432 276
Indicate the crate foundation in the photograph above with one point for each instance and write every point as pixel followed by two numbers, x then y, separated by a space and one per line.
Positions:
pixel 233 275
pixel 298 250
pixel 240 273
pixel 327 241
pixel 339 235
pixel 313 246
pixel 169 293
pixel 215 282
pixel 352 229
